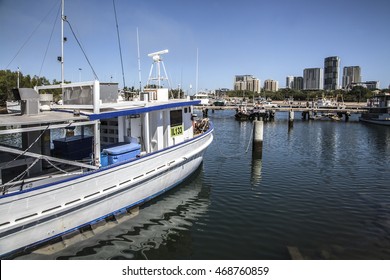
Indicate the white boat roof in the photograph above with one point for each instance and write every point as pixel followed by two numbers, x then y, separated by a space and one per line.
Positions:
pixel 131 108
pixel 41 118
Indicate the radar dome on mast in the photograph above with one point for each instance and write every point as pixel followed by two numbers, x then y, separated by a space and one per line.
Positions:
pixel 157 60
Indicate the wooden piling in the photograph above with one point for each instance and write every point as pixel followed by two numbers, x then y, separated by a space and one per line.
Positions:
pixel 291 115
pixel 258 127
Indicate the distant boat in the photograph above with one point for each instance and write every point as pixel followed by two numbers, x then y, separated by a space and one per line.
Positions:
pixel 242 116
pixel 202 97
pixel 329 103
pixel 378 110
pixel 245 114
pixel 326 116
pixel 220 102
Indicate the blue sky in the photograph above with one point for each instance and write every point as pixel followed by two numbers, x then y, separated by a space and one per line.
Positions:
pixel 267 39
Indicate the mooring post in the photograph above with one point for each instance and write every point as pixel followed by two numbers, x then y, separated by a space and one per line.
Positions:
pixel 290 119
pixel 258 127
pixel 291 115
pixel 310 114
pixel 257 147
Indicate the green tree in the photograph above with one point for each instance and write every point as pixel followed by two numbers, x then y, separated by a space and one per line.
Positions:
pixel 360 93
pixel 8 81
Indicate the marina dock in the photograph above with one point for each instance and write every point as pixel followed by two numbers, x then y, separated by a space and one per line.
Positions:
pixel 344 110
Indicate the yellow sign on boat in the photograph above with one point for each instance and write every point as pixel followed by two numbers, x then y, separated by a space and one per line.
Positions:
pixel 177 130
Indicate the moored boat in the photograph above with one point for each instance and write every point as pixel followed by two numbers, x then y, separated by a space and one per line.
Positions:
pixel 245 114
pixel 220 102
pixel 135 151
pixel 202 97
pixel 378 110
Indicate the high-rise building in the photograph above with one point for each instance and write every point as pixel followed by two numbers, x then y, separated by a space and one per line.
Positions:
pixel 372 85
pixel 289 81
pixel 247 82
pixel 298 83
pixel 351 75
pixel 271 85
pixel 313 78
pixel 331 72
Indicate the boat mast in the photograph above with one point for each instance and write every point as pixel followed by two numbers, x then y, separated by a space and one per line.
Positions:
pixel 197 71
pixel 139 65
pixel 17 83
pixel 63 18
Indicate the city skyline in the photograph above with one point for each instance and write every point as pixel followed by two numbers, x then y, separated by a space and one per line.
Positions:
pixel 266 41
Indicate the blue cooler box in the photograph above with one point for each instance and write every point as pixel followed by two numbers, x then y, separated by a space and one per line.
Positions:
pixel 122 152
pixel 103 159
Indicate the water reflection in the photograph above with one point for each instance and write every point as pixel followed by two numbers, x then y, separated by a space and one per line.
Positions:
pixel 158 224
pixel 257 163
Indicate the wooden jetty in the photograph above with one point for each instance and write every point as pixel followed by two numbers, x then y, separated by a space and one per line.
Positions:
pixel 307 112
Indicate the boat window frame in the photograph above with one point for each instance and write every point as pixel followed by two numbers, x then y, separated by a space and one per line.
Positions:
pixel 176 117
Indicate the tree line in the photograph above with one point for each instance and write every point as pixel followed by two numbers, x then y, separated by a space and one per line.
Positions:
pixel 9 81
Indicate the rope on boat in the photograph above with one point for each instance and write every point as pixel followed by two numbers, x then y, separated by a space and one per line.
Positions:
pixel 7 185
pixel 26 150
pixel 119 43
pixel 54 166
pixel 82 49
pixel 31 35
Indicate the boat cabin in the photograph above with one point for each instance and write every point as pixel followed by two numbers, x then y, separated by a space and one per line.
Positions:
pixel 92 129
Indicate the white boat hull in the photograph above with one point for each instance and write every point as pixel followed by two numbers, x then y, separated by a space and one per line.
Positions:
pixel 34 216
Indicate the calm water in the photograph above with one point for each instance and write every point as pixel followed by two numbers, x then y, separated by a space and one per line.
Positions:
pixel 322 187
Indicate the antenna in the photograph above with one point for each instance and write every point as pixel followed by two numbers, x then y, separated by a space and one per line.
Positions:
pixel 197 71
pixel 157 59
pixel 139 64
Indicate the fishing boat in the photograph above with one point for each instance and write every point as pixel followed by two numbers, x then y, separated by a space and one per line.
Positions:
pixel 134 152
pixel 65 169
pixel 378 110
pixel 242 113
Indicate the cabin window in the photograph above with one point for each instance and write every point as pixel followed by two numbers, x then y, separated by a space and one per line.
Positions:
pixel 176 117
pixel 185 110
